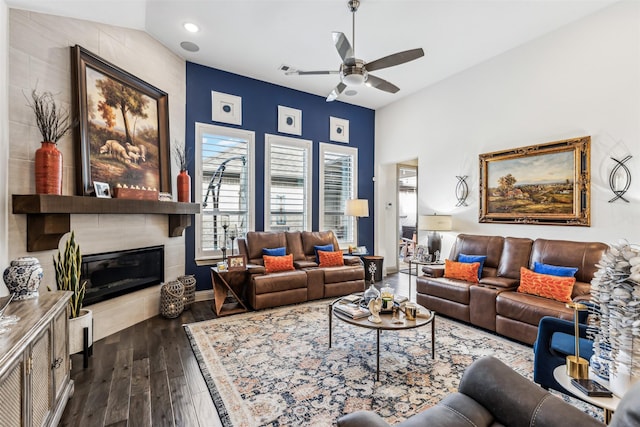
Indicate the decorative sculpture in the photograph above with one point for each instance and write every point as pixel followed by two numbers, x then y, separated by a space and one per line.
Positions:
pixel 615 179
pixel 375 305
pixel 462 191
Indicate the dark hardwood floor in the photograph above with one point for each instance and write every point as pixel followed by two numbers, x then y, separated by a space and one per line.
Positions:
pixel 147 375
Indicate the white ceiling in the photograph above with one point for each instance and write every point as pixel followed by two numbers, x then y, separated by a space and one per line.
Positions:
pixel 255 37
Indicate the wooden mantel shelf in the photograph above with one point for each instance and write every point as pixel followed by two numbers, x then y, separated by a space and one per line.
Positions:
pixel 49 216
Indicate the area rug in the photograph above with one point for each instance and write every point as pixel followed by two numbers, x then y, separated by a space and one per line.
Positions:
pixel 275 367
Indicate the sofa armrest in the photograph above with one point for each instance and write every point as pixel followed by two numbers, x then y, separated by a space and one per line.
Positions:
pixel 433 270
pixel 362 419
pixel 514 400
pixel 499 282
pixel 256 269
pixel 352 260
pixel 299 265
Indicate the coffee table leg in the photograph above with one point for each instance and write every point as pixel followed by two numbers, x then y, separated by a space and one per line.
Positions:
pixel 433 337
pixel 330 321
pixel 378 357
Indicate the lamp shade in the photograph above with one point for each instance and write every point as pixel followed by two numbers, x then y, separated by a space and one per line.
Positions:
pixel 357 207
pixel 435 222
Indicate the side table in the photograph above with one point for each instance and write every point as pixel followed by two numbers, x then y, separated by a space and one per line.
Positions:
pixel 228 283
pixel 608 404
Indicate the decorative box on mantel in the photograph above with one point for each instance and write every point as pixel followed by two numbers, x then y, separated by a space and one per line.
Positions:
pixel 49 216
pixel 135 194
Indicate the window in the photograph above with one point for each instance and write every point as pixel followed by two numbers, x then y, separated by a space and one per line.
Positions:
pixel 287 183
pixel 224 175
pixel 338 183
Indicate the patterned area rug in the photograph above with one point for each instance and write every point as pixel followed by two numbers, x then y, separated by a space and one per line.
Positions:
pixel 275 368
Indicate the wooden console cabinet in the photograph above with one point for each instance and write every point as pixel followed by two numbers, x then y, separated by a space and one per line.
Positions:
pixel 35 381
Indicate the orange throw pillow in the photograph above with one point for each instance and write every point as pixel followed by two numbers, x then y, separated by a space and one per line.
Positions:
pixel 330 259
pixel 461 270
pixel 278 263
pixel 546 285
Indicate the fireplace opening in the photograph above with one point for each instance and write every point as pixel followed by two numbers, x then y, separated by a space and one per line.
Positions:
pixel 112 274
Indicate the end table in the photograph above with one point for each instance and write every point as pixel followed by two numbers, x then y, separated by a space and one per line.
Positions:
pixel 229 283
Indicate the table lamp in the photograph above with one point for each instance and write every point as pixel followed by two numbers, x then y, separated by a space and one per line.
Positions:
pixel 435 223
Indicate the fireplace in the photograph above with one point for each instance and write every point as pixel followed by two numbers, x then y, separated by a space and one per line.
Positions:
pixel 112 274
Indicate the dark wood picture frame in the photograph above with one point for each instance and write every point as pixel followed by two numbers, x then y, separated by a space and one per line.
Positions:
pixel 236 262
pixel 539 184
pixel 118 143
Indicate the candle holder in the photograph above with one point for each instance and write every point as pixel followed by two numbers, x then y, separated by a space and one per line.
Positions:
pixel 577 367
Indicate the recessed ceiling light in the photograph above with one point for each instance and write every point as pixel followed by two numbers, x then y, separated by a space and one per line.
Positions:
pixel 190 47
pixel 191 27
pixel 350 92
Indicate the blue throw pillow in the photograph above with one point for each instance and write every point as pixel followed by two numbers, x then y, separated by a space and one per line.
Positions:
pixel 274 251
pixel 326 248
pixel 473 258
pixel 554 270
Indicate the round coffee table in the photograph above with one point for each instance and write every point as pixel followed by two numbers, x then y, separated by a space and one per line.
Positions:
pixel 386 325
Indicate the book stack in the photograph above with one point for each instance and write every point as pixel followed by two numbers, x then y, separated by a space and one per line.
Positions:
pixel 352 310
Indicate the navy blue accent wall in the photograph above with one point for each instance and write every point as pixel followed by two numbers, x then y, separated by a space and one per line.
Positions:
pixel 260 102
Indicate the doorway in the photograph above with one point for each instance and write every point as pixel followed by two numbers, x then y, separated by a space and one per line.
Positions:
pixel 407 191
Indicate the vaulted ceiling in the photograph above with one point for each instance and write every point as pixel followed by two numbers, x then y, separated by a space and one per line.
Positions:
pixel 255 38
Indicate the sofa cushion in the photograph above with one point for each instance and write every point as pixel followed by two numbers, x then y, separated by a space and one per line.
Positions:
pixel 325 248
pixel 317 238
pixel 345 273
pixel 584 255
pixel 280 282
pixel 530 309
pixel 471 244
pixel 461 271
pixel 554 270
pixel 447 289
pixel 473 258
pixel 282 251
pixel 257 240
pixel 273 264
pixel 294 245
pixel 565 345
pixel 515 254
pixel 545 285
pixel 330 259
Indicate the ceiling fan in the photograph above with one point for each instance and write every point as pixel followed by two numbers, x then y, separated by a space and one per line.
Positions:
pixel 354 71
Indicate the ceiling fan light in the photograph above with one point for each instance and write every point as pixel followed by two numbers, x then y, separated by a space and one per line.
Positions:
pixel 353 79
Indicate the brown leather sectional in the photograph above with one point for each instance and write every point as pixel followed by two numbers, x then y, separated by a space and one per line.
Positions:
pixel 308 281
pixel 494 303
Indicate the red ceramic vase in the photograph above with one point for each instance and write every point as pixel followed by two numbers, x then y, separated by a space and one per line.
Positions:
pixel 184 187
pixel 48 169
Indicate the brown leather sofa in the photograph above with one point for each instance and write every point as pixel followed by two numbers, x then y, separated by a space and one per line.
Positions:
pixel 494 303
pixel 308 281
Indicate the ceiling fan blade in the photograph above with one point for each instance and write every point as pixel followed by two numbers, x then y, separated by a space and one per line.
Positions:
pixel 344 48
pixel 378 83
pixel 310 73
pixel 336 92
pixel 395 59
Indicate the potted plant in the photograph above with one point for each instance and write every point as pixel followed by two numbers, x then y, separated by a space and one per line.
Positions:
pixel 53 122
pixel 184 180
pixel 67 266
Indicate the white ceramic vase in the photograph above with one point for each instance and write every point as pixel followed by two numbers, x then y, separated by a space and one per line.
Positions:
pixel 76 331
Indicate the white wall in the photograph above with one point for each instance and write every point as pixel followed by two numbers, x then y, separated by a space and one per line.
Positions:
pixel 39 55
pixel 583 79
pixel 4 136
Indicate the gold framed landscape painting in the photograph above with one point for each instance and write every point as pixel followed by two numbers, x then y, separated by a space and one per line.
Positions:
pixel 538 184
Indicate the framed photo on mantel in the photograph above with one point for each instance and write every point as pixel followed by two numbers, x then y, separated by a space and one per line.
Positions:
pixel 545 184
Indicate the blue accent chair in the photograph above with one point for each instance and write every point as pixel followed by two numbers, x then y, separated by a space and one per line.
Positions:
pixel 554 343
